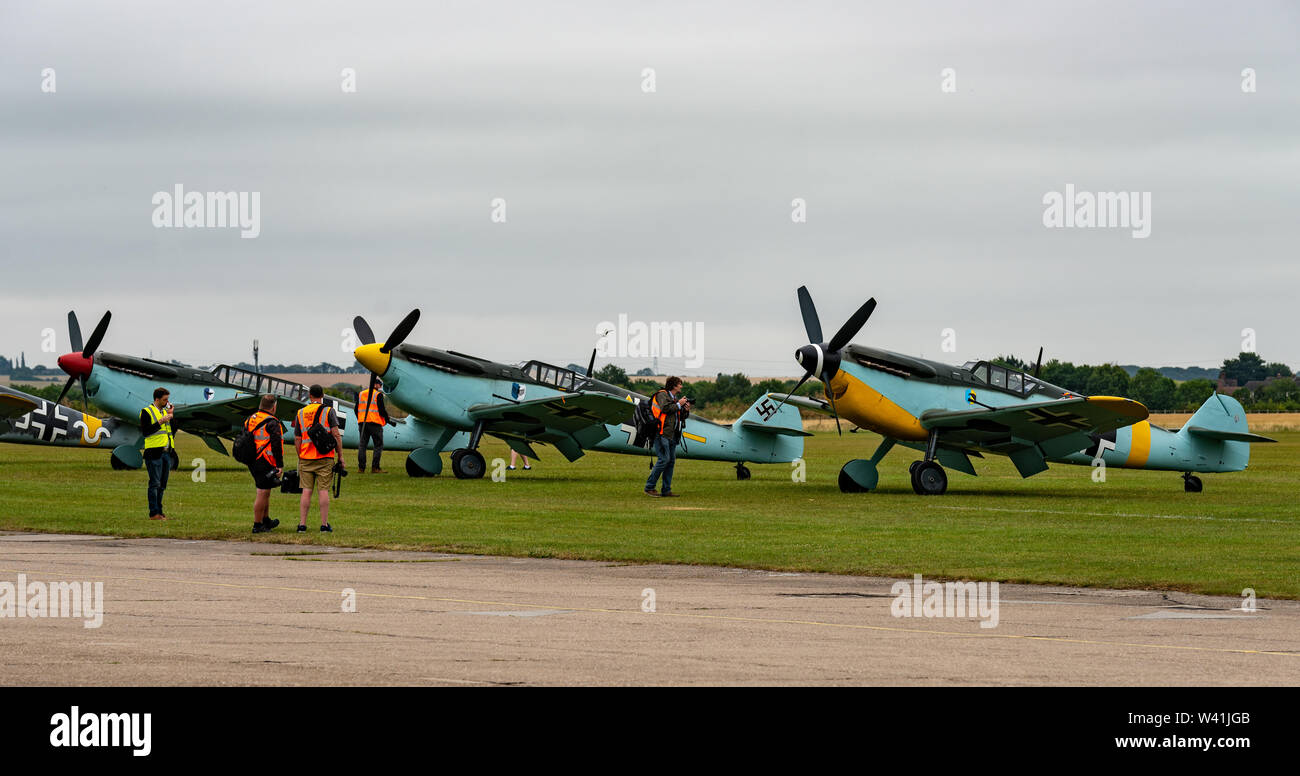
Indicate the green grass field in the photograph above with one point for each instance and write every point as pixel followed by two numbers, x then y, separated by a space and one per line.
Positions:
pixel 1138 529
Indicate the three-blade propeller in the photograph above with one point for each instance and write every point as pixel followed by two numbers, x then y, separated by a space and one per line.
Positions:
pixel 395 338
pixel 823 358
pixel 85 350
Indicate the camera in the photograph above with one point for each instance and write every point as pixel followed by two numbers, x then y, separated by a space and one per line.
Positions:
pixel 289 482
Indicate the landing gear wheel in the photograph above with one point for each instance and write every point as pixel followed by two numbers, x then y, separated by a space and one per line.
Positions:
pixel 118 464
pixel 929 479
pixel 742 472
pixel 1192 483
pixel 911 469
pixel 467 464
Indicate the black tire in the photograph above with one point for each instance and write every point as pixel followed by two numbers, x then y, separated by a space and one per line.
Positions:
pixel 911 469
pixel 117 465
pixel 929 479
pixel 1192 484
pixel 468 464
pixel 413 469
pixel 742 472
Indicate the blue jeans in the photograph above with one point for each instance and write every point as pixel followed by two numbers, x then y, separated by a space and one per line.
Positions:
pixel 158 469
pixel 666 450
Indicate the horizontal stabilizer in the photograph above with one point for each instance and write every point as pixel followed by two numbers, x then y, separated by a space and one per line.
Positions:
pixel 1228 436
pixel 764 428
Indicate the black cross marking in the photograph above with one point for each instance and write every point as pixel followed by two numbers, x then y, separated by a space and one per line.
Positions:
pixel 558 408
pixel 1063 419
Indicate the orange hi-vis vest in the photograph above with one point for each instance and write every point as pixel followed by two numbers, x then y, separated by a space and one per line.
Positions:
pixel 261 435
pixel 658 411
pixel 306 416
pixel 368 407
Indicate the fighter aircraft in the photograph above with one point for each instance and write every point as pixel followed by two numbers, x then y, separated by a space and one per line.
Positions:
pixel 534 402
pixel 954 413
pixel 210 404
pixel 31 420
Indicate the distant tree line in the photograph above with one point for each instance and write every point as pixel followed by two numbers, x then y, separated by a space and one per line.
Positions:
pixel 1162 394
pixel 323 368
pixel 725 394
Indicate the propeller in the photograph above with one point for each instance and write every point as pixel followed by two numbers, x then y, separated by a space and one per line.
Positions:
pixel 395 338
pixel 74 332
pixel 401 332
pixel 823 358
pixel 79 368
pixel 363 331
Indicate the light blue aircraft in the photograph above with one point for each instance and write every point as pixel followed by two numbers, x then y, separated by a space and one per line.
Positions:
pixel 953 413
pixel 210 404
pixel 534 402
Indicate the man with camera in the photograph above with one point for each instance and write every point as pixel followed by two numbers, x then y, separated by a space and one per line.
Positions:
pixel 156 428
pixel 670 409
pixel 268 465
pixel 316 433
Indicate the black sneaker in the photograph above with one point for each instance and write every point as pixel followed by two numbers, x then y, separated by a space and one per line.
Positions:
pixel 261 527
pixel 302 529
pixel 269 523
pixel 326 528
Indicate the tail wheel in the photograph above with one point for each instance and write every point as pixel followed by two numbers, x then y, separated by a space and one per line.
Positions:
pixel 929 479
pixel 1192 483
pixel 468 464
pixel 742 472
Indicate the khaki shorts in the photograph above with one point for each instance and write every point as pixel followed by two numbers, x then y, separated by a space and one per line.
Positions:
pixel 315 473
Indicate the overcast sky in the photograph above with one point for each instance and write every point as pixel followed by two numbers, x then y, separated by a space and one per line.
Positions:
pixel 673 205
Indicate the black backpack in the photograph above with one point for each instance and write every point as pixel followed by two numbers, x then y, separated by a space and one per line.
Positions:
pixel 647 425
pixel 319 435
pixel 245 449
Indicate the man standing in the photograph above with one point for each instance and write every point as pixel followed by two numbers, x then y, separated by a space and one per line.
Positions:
pixel 670 409
pixel 372 416
pixel 156 428
pixel 268 465
pixel 316 466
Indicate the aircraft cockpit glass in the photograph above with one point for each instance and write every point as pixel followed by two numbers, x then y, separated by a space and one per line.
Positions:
pixel 981 373
pixel 1014 380
pixel 546 374
pixel 997 377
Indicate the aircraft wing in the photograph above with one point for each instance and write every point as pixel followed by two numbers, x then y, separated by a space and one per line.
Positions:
pixel 15 405
pixel 1030 433
pixel 223 417
pixel 569 413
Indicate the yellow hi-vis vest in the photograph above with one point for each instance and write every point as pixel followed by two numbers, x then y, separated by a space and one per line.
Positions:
pixel 163 436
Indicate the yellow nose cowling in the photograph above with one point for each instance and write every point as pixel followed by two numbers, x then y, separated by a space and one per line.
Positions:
pixel 371 358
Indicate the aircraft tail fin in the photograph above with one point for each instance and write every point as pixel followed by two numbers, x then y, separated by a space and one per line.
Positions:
pixel 764 417
pixel 1222 418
